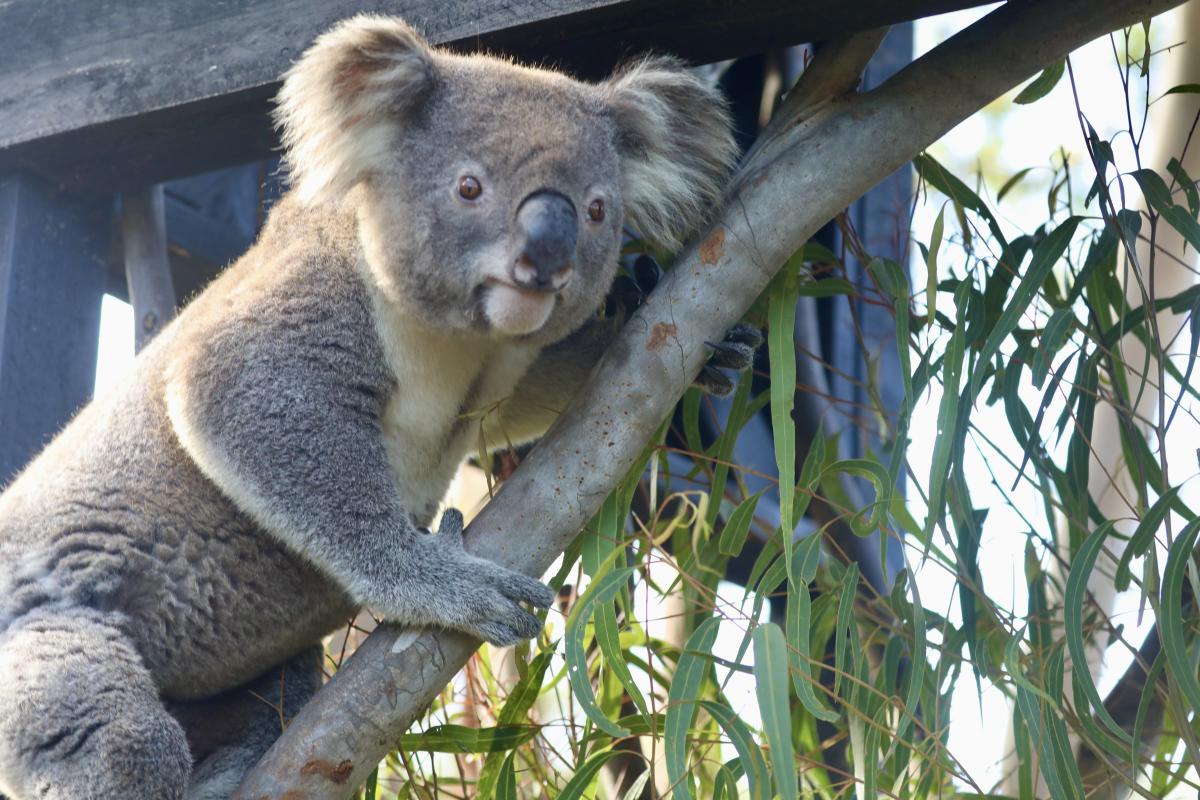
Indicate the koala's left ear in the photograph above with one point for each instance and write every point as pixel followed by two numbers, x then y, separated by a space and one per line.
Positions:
pixel 676 147
pixel 341 102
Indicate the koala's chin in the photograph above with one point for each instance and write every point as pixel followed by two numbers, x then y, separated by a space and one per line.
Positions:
pixel 516 312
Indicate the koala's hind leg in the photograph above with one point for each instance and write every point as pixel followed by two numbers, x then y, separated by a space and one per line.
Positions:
pixel 80 717
pixel 229 733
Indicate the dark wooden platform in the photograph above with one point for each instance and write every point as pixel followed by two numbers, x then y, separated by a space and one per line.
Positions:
pixel 109 94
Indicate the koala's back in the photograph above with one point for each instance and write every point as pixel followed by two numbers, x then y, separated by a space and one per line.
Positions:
pixel 115 516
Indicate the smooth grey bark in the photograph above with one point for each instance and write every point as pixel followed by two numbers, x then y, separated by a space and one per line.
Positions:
pixel 833 153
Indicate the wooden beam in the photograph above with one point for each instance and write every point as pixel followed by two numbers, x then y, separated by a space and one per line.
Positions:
pixel 124 94
pixel 52 278
pixel 147 270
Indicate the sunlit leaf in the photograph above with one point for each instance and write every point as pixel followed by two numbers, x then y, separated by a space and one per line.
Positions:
pixel 506 784
pixel 461 739
pixel 733 535
pixel 1170 622
pixel 609 641
pixel 771 687
pixel 943 446
pixel 1143 534
pixel 1046 728
pixel 577 788
pixel 1073 615
pixel 931 266
pixel 681 698
pixel 1184 88
pixel 827 287
pixel 601 591
pixel 1186 184
pixel 1154 188
pixel 844 635
pixel 516 707
pixel 781 345
pixel 1041 86
pixel 1054 336
pixel 1012 182
pixel 1193 346
pixel 799 628
pixel 753 763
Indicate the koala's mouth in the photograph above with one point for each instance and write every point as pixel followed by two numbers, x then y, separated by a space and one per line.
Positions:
pixel 514 311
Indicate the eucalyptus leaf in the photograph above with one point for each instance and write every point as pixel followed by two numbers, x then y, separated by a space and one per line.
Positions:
pixel 1041 86
pixel 601 591
pixel 771 687
pixel 1180 666
pixel 753 763
pixel 694 662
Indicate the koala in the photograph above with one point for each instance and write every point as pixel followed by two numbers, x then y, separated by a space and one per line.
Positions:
pixel 171 561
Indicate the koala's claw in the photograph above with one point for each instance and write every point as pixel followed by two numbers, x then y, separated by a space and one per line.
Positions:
pixel 495 613
pixel 730 355
pixel 451 525
pixel 498 634
pixel 712 381
pixel 744 334
pixel 515 628
pixel 526 589
pixel 735 352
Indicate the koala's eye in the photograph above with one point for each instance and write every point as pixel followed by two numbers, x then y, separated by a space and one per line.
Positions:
pixel 469 187
pixel 596 210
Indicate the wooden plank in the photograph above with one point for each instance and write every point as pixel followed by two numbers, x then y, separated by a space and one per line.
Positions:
pixel 145 90
pixel 52 279
pixel 147 271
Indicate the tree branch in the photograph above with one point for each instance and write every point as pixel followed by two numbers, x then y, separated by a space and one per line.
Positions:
pixel 825 162
pixel 834 72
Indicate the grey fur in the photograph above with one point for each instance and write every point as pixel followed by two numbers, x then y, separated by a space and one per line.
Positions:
pixel 269 463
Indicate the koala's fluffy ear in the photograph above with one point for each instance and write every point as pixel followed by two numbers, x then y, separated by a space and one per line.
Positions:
pixel 341 102
pixel 676 147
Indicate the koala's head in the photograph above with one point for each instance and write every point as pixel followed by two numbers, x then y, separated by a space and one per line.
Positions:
pixel 491 196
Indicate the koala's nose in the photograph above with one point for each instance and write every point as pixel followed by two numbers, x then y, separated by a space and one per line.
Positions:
pixel 547 229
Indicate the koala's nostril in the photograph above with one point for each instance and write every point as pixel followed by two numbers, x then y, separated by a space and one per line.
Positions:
pixel 524 272
pixel 527 275
pixel 560 278
pixel 547 231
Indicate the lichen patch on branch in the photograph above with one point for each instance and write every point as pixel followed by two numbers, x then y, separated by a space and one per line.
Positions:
pixel 713 248
pixel 660 334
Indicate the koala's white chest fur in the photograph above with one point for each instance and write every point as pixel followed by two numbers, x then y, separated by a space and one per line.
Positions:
pixel 445 385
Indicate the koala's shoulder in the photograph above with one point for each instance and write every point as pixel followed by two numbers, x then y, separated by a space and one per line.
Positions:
pixel 298 281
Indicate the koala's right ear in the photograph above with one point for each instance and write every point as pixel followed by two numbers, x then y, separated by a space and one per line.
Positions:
pixel 676 145
pixel 340 103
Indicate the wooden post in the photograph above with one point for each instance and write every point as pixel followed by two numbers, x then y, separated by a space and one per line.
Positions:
pixel 147 272
pixel 52 278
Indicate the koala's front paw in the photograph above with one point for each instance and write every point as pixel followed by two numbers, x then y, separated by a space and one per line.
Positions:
pixel 735 351
pixel 479 596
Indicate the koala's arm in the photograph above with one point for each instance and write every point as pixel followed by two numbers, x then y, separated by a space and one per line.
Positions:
pixel 280 406
pixel 549 384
